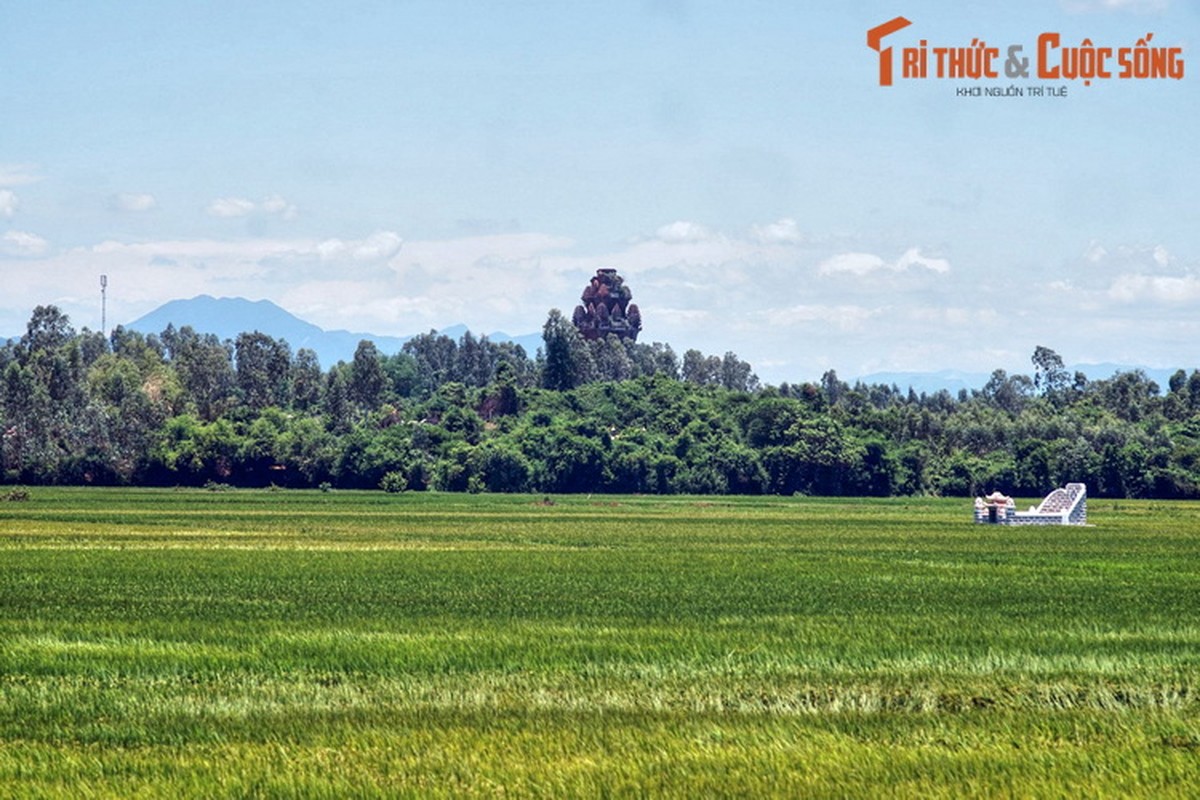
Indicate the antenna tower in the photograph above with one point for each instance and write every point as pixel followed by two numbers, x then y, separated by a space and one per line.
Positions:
pixel 104 305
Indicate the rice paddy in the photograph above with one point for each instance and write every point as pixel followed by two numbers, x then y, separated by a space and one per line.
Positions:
pixel 301 644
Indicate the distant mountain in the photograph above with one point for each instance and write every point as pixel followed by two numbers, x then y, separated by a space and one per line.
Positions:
pixel 530 341
pixel 228 316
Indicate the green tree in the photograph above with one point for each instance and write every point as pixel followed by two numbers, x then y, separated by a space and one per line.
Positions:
pixel 474 361
pixel 701 370
pixel 737 375
pixel 369 453
pixel 435 355
pixel 308 451
pixel 367 379
pixel 501 399
pixel 501 467
pixel 1006 392
pixel 611 359
pixel 205 369
pixel 565 458
pixel 28 453
pixel 337 405
pixel 1131 396
pixel 1050 375
pixel 832 387
pixel 133 408
pixel 193 451
pixel 263 366
pixel 1193 390
pixel 306 380
pixel 769 420
pixel 48 329
pixel 568 361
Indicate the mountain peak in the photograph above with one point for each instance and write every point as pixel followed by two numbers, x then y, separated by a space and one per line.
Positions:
pixel 228 316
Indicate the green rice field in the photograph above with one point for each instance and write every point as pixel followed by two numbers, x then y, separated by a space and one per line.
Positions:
pixel 170 643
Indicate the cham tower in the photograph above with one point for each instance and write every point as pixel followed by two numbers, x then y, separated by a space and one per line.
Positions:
pixel 605 307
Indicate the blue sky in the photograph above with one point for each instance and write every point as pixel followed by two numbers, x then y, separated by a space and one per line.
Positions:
pixel 401 166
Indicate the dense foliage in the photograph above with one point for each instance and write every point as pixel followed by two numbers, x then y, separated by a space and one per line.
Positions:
pixel 185 408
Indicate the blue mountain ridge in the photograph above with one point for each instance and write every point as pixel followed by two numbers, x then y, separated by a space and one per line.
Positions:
pixel 228 316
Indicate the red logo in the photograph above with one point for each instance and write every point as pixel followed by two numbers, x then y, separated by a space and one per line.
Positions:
pixel 1051 59
pixel 875 37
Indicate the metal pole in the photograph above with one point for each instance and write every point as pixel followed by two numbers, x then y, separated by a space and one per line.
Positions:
pixel 104 305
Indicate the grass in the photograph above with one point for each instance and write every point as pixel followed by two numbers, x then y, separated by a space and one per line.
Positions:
pixel 187 643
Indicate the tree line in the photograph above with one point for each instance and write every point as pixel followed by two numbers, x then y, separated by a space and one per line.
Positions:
pixel 186 408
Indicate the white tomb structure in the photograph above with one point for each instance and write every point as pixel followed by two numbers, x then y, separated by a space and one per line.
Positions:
pixel 1065 506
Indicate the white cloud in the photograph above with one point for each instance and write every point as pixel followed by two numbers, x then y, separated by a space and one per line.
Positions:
pixel 866 263
pixel 854 263
pixel 273 205
pixel 18 174
pixel 1103 264
pixel 23 245
pixel 230 207
pixel 277 205
pixel 682 232
pixel 8 203
pixel 1095 252
pixel 460 255
pixel 844 317
pixel 379 246
pixel 913 258
pixel 784 231
pixel 331 249
pixel 1164 289
pixel 134 201
pixel 502 281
